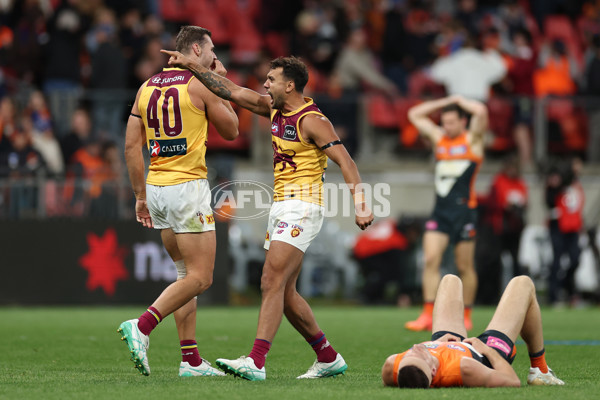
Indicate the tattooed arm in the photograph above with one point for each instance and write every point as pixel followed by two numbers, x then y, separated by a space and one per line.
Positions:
pixel 222 86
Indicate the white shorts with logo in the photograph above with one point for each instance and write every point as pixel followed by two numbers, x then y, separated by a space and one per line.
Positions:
pixel 295 222
pixel 185 207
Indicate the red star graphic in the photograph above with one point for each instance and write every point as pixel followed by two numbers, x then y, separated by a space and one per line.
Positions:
pixel 104 262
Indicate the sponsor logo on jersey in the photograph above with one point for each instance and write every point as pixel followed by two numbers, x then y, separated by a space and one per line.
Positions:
pixel 161 81
pixel 456 347
pixel 458 150
pixel 154 148
pixel 289 132
pixel 431 345
pixel 282 224
pixel 295 232
pixel 168 148
pixel 274 128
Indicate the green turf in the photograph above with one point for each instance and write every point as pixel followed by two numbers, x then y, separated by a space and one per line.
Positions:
pixel 75 353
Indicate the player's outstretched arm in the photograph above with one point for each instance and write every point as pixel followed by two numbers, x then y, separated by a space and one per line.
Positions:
pixel 321 132
pixel 479 114
pixel 475 374
pixel 419 117
pixel 219 111
pixel 222 86
pixel 135 138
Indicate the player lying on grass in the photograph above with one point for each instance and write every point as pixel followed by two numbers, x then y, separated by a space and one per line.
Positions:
pixel 450 359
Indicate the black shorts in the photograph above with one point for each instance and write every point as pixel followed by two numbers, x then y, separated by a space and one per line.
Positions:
pixel 494 339
pixel 457 222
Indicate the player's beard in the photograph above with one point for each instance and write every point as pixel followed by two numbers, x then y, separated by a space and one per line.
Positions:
pixel 278 102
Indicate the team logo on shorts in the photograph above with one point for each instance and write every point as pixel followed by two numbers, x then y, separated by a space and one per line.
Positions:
pixel 282 224
pixel 295 232
pixel 210 219
pixel 279 232
pixel 200 217
pixel 267 236
pixel 298 227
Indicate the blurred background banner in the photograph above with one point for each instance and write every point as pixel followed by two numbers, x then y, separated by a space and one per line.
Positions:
pixel 91 262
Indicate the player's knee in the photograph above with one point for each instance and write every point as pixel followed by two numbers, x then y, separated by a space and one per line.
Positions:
pixel 431 261
pixel 523 282
pixel 450 279
pixel 270 282
pixel 201 282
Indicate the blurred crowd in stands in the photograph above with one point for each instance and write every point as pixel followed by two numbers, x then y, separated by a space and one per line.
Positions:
pixel 69 70
pixel 65 60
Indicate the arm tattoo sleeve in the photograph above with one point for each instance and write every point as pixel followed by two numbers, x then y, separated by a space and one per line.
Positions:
pixel 213 82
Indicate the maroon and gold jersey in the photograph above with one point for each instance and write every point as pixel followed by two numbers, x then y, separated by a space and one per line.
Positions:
pixel 175 129
pixel 298 166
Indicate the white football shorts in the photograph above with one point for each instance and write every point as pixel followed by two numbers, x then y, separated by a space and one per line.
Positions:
pixel 295 222
pixel 185 207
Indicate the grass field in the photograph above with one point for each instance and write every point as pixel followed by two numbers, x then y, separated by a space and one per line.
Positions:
pixel 75 353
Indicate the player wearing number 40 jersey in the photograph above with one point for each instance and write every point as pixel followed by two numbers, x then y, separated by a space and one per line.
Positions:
pixel 458 152
pixel 302 139
pixel 170 115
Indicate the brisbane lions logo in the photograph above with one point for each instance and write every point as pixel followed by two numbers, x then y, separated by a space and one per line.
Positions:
pixel 154 148
pixel 283 158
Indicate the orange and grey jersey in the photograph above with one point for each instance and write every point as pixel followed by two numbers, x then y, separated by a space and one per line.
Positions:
pixel 455 172
pixel 449 355
pixel 298 166
pixel 175 129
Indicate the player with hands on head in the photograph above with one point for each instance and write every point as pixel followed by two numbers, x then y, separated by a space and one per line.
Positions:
pixel 458 149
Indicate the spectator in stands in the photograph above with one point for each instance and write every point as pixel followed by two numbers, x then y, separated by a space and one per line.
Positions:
pixel 421 30
pixel 38 121
pixel 503 221
pixel 522 61
pixel 558 71
pixel 110 179
pixel 81 131
pixel 469 72
pixel 393 52
pixel 7 122
pixel 19 163
pixel 355 68
pixel 109 72
pixel 84 176
pixel 385 255
pixel 62 75
pixel 468 15
pixel 565 200
pixel 592 88
pixel 317 39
